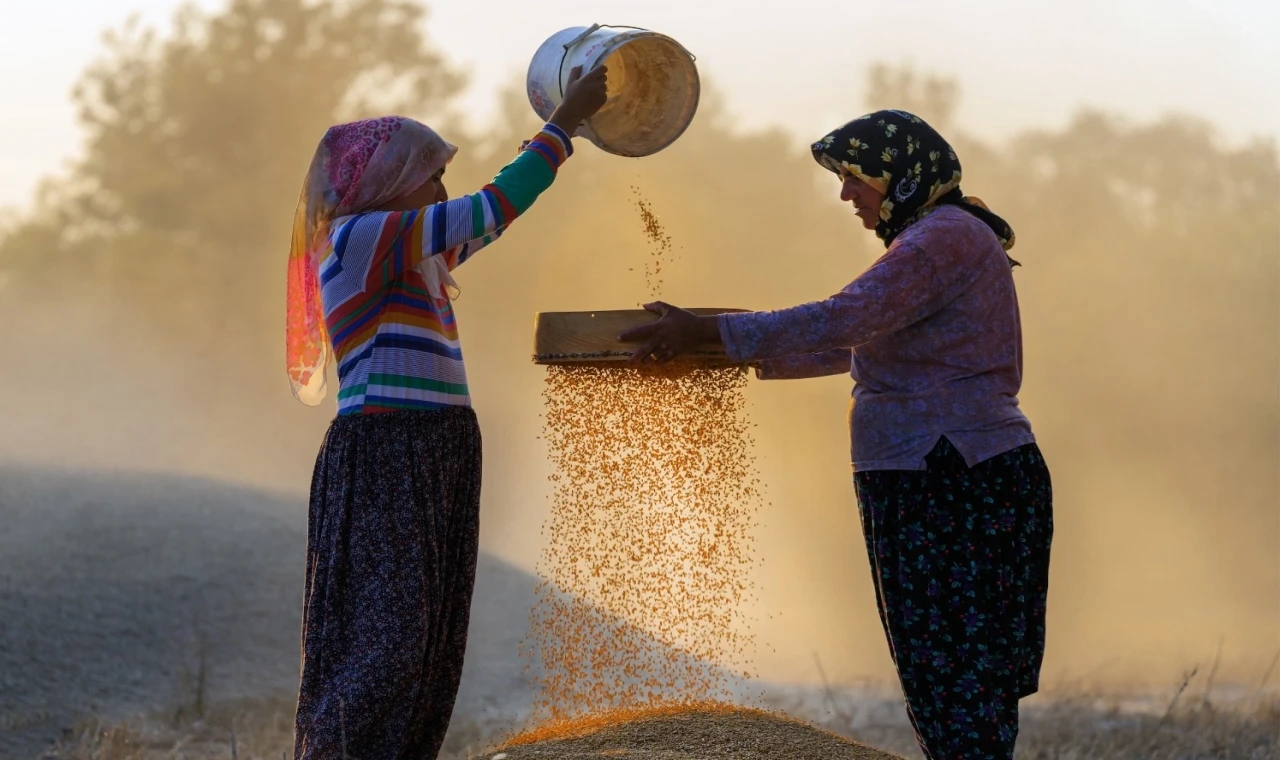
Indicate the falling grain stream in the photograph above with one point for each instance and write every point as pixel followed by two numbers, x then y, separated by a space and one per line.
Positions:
pixel 649 546
pixel 648 551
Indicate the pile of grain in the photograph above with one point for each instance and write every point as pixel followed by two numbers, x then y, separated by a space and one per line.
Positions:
pixel 698 732
pixel 649 547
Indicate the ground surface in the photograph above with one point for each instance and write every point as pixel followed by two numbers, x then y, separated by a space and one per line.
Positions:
pixel 115 588
pixel 1061 729
pixel 126 594
pixel 123 594
pixel 700 734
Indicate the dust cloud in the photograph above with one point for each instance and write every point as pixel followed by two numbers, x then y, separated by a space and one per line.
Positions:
pixel 143 310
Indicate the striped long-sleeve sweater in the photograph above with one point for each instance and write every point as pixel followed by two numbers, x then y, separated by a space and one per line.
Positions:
pixel 396 345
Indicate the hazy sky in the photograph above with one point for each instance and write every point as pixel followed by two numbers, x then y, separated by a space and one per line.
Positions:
pixel 1021 62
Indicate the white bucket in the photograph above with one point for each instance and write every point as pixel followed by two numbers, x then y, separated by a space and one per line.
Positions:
pixel 653 85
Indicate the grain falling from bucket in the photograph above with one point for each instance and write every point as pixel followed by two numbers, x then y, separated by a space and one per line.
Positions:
pixel 650 543
pixel 660 243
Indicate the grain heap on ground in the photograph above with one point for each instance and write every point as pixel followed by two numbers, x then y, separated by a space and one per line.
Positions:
pixel 694 732
pixel 649 547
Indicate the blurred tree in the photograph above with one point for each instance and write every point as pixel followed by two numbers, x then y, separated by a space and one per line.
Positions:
pixel 931 97
pixel 197 143
pixel 1162 239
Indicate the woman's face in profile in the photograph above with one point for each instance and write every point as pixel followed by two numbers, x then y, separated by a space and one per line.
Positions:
pixel 866 199
pixel 428 193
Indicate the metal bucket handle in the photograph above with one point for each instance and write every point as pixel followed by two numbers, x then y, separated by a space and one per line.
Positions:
pixel 592 30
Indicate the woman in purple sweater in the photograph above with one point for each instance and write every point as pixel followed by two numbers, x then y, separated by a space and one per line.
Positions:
pixel 955 497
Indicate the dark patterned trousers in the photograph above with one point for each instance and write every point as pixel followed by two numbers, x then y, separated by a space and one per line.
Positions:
pixel 392 544
pixel 960 559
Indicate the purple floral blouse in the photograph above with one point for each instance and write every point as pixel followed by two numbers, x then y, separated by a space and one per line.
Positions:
pixel 931 335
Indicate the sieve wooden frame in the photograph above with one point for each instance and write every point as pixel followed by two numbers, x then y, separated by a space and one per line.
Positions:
pixel 591 337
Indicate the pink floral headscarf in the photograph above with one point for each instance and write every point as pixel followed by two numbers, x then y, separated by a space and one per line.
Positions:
pixel 357 167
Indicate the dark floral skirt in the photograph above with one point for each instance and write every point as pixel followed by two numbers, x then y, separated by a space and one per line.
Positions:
pixel 392 543
pixel 960 557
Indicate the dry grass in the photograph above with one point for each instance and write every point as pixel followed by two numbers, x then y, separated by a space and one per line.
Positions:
pixel 1069 728
pixel 1079 729
pixel 244 730
pixel 1090 727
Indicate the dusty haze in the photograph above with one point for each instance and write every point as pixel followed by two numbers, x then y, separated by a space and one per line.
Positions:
pixel 143 305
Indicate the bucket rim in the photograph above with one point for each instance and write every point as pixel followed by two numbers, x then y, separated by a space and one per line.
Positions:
pixel 619 41
pixel 609 47
pixel 640 33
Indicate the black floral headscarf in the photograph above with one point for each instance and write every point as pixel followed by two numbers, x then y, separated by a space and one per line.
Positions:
pixel 904 158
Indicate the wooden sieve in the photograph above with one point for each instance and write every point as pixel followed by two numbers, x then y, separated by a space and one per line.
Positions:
pixel 590 337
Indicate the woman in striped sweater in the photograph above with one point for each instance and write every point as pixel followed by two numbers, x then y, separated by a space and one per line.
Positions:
pixel 393 526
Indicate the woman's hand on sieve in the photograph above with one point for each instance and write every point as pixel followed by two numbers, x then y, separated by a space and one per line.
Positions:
pixel 676 332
